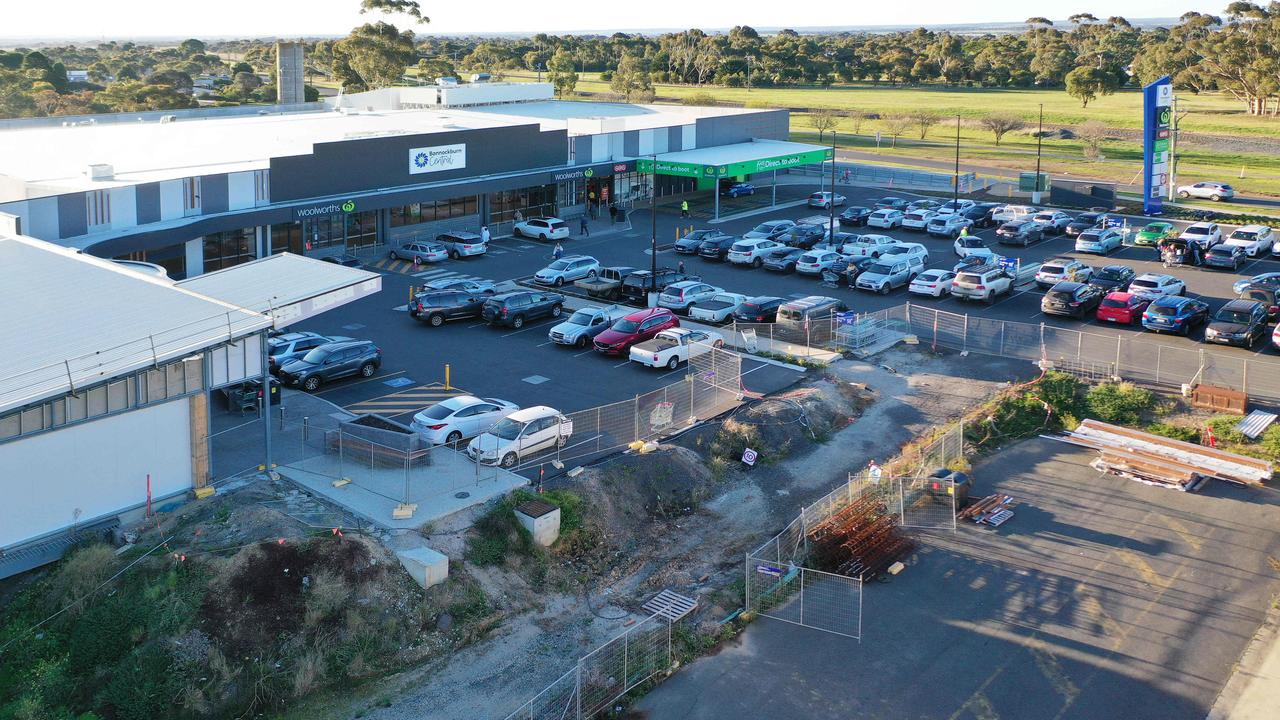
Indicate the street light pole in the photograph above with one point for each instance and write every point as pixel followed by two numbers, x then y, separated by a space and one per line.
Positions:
pixel 831 204
pixel 653 231
pixel 1035 196
pixel 955 183
pixel 750 59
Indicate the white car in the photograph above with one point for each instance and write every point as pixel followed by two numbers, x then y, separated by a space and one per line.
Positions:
pixel 671 347
pixel 815 261
pixel 422 251
pixel 685 294
pixel 1052 221
pixel 464 416
pixel 1154 285
pixel 971 245
pixel 887 219
pixel 918 219
pixel 1255 239
pixel 823 200
pixel 1098 240
pixel 568 269
pixel 520 435
pixel 1009 213
pixel 542 229
pixel 915 252
pixel 934 283
pixel 718 308
pixel 1207 190
pixel 953 207
pixel 768 229
pixel 463 243
pixel 1055 270
pixel 1206 234
pixel 751 251
pixel 868 246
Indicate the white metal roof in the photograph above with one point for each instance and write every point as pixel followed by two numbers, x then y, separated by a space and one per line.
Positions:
pixel 72 320
pixel 738 152
pixel 285 286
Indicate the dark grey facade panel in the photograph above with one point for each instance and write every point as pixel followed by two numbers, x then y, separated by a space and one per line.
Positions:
pixel 352 166
pixel 631 143
pixel 73 220
pixel 148 199
pixel 213 193
pixel 730 129
pixel 675 136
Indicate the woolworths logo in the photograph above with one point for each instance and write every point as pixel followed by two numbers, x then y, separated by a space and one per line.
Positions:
pixel 349 206
pixel 346 206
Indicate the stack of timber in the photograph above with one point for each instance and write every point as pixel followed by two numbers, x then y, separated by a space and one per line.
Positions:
pixel 1162 461
pixel 993 510
pixel 859 541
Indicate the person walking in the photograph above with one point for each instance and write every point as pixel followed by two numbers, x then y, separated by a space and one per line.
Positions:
pixel 680 267
pixel 583 228
pixel 591 204
pixel 684 208
pixel 964 231
pixel 613 214
pixel 484 234
pixel 519 216
pixel 558 252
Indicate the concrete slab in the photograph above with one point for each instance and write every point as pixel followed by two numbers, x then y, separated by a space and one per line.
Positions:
pixel 451 482
pixel 426 566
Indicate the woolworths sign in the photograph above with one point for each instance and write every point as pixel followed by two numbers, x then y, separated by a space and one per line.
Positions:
pixel 780 162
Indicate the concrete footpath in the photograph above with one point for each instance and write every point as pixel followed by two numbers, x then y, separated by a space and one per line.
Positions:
pixel 1253 692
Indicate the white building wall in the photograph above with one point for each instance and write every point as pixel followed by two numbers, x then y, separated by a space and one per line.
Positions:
pixel 20 210
pixel 646 141
pixel 599 148
pixel 616 146
pixel 171 200
pixel 688 137
pixel 54 480
pixel 660 141
pixel 195 257
pixel 240 190
pixel 42 218
pixel 124 207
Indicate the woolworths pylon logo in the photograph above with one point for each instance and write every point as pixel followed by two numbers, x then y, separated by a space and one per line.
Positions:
pixel 349 206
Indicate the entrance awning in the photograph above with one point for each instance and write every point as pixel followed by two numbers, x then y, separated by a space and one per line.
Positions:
pixel 737 159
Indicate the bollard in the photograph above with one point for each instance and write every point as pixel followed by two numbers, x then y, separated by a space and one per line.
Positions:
pixel 447 386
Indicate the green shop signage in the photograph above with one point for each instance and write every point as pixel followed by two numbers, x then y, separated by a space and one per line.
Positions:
pixel 780 162
pixel 673 168
pixel 334 208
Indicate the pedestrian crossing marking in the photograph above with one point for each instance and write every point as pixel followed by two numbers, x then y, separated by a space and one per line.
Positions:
pixel 405 401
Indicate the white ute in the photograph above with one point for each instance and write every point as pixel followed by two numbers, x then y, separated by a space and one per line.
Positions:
pixel 671 347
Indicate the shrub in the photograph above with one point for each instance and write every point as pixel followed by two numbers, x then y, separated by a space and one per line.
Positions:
pixel 497 534
pixel 1224 429
pixel 734 437
pixel 1176 432
pixel 700 99
pixel 142 686
pixel 1269 441
pixel 1120 403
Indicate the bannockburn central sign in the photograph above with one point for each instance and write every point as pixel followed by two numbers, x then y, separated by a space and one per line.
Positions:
pixel 437 158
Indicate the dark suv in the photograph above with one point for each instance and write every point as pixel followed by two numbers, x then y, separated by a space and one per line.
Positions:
pixel 717 247
pixel 332 361
pixel 1239 322
pixel 1072 299
pixel 635 287
pixel 434 308
pixel 803 236
pixel 514 308
pixel 690 243
pixel 1268 295
pixel 1020 232
pixel 762 309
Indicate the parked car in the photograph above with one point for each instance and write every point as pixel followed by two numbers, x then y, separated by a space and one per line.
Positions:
pixel 343 260
pixel 855 216
pixel 887 219
pixel 1271 279
pixel 980 214
pixel 1214 191
pixel 462 243
pixel 1268 295
pixel 568 269
pixel 1113 278
pixel 751 251
pixel 685 294
pixel 692 241
pixel 1155 285
pixel 982 282
pixel 671 347
pixel 514 309
pixel 1010 213
pixel 824 200
pixel 542 229
pixel 854 267
pixel 520 435
pixel 923 204
pixel 868 246
pixel 1239 322
pixel 423 252
pixel 759 309
pixel 292 345
pixel 1055 270
pixel 582 326
pixel 1084 221
pixel 971 245
pixel 738 190
pixel 949 226
pixel 768 229
pixel 719 308
pixel 814 262
pixel 476 287
pixel 633 328
pixel 954 207
pixel 434 308
pixel 1099 240
pixel 1225 257
pixel 934 283
pixel 1154 233
pixel 449 421
pixel 1122 307
pixel 606 284
pixel 1255 240
pixel 1206 234
pixel 915 252
pixel 1053 222
pixel 803 236
pixel 717 247
pixel 1175 314
pixel 917 219
pixel 885 275
pixel 1071 299
pixel 637 285
pixel 1019 232
pixel 330 362
pixel 891 203
pixel 783 259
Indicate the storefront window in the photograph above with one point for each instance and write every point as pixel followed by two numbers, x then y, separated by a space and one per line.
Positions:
pixel 287 238
pixel 537 201
pixel 434 210
pixel 229 248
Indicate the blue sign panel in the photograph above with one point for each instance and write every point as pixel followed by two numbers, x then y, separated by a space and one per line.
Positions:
pixel 1157 127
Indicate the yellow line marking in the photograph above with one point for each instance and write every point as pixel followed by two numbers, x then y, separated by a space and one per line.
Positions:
pixel 1143 568
pixel 1091 606
pixel 978 702
pixel 1184 532
pixel 1052 669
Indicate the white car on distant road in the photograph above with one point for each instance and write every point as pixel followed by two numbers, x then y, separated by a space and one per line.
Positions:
pixel 887 219
pixel 1207 191
pixel 542 229
pixel 671 347
pixel 718 308
pixel 1256 240
pixel 464 416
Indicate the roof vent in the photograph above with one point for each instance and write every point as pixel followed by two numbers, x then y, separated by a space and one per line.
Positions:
pixel 100 172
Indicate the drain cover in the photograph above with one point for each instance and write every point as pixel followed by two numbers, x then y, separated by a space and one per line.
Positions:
pixel 462 495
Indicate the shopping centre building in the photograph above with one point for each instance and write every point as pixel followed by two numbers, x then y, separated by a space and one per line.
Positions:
pixel 202 190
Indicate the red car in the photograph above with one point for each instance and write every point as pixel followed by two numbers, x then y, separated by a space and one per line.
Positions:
pixel 1123 307
pixel 635 328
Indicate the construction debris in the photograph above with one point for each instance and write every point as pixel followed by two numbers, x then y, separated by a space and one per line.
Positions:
pixel 1162 461
pixel 670 605
pixel 1255 423
pixel 993 510
pixel 860 541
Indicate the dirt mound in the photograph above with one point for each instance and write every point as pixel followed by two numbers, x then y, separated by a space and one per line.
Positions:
pixel 635 489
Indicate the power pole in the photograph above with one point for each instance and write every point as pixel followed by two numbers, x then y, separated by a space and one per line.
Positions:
pixel 831 206
pixel 955 183
pixel 1035 196
pixel 653 232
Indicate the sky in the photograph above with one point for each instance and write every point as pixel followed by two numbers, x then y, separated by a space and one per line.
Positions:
pixel 120 19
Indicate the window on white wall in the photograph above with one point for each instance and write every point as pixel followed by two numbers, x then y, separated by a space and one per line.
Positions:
pixel 261 187
pixel 97 208
pixel 191 196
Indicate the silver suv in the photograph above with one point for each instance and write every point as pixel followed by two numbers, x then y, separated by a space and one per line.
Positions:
pixel 568 269
pixel 886 274
pixel 984 282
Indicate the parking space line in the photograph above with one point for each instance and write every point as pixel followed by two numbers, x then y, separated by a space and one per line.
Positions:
pixel 585 352
pixel 549 342
pixel 622 364
pixel 527 327
pixel 359 382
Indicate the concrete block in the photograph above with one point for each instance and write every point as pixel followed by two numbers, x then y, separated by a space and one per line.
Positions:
pixel 541 519
pixel 426 566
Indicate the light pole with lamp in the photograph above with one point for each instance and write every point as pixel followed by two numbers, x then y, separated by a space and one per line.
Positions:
pixel 750 59
pixel 1035 196
pixel 653 231
pixel 831 201
pixel 955 182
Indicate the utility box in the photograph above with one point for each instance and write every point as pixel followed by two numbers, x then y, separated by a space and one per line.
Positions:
pixel 427 566
pixel 541 519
